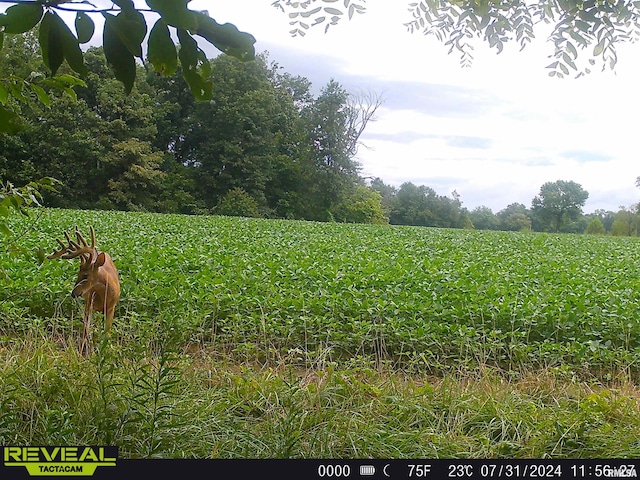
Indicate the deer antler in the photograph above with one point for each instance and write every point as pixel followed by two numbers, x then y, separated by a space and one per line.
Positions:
pixel 77 249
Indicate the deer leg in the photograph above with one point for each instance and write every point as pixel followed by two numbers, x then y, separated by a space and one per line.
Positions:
pixel 107 311
pixel 85 345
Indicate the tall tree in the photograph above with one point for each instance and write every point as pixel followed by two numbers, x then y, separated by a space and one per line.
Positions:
pixel 558 203
pixel 422 206
pixel 626 222
pixel 483 218
pixel 242 138
pixel 331 171
pixel 514 217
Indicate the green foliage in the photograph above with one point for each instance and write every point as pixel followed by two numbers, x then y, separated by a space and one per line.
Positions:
pixel 422 206
pixel 363 206
pixel 557 204
pixel 59 44
pixel 158 150
pixel 595 227
pixel 333 172
pixel 625 223
pixel 19 199
pixel 577 26
pixel 123 36
pixel 21 18
pixel 484 219
pixel 23 82
pixel 237 203
pixel 421 299
pixel 162 51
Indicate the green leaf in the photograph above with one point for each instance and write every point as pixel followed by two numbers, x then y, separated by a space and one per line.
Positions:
pixel 51 42
pixel 71 49
pixel 175 13
pixel 4 94
pixel 1 40
pixel 226 38
pixel 43 97
pixel 10 122
pixel 131 28
pixel 190 58
pixel 124 4
pixel 599 48
pixel 117 54
pixel 21 18
pixel 162 51
pixel 58 43
pixel 84 27
pixel 4 228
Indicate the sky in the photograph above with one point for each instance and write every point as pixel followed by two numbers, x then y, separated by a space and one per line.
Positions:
pixel 494 132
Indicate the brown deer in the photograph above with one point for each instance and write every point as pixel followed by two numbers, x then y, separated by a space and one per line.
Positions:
pixel 97 280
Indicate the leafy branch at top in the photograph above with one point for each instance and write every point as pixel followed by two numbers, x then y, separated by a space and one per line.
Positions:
pixel 125 30
pixel 578 25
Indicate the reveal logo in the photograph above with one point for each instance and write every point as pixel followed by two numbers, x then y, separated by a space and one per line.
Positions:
pixel 60 461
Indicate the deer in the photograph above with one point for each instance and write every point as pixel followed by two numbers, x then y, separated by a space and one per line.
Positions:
pixel 97 280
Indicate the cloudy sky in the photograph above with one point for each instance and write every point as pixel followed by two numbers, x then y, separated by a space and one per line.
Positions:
pixel 494 132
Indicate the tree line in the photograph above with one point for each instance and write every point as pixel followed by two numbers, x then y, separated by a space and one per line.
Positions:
pixel 263 146
pixel 558 207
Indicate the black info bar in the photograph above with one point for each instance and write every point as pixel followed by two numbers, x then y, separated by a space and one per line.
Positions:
pixel 67 463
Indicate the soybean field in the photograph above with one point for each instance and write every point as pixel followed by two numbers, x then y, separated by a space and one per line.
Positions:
pixel 288 315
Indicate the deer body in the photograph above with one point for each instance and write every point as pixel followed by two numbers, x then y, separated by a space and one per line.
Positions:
pixel 98 284
pixel 97 279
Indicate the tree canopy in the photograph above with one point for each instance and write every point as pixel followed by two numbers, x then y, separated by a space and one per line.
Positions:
pixel 558 203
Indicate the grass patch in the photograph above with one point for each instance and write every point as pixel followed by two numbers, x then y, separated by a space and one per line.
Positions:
pixel 271 339
pixel 192 405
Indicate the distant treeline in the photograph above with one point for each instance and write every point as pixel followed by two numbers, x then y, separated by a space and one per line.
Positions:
pixel 263 146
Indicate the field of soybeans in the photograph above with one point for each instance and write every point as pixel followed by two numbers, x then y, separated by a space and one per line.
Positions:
pixel 259 338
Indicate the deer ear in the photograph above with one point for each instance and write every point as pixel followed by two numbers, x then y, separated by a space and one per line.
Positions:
pixel 100 259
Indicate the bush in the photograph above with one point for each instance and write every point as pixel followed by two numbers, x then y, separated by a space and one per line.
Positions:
pixel 595 228
pixel 237 203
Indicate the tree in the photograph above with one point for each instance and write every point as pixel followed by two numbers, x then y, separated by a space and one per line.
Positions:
pixel 410 205
pixel 514 218
pixel 422 206
pixel 329 168
pixel 595 227
pixel 237 203
pixel 483 218
pixel 362 206
pixel 577 25
pixel 626 222
pixel 136 181
pixel 361 108
pixel 249 136
pixel 606 217
pixel 558 203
